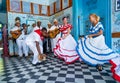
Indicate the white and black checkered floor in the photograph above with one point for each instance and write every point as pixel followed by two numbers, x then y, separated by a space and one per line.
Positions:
pixel 52 71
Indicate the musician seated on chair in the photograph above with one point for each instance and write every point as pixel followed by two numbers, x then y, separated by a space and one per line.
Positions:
pixel 20 34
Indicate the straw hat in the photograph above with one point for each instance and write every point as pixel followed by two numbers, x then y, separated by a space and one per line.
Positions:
pixel 17 21
pixel 49 23
pixel 55 20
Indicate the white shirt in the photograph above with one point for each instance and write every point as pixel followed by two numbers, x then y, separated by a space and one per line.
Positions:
pixel 48 29
pixel 32 37
pixel 36 28
pixel 15 28
pixel 22 36
pixel 40 27
pixel 54 27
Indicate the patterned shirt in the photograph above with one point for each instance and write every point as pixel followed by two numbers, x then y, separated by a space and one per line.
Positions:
pixel 95 29
pixel 64 28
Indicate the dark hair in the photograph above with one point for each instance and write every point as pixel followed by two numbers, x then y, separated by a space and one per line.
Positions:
pixel 23 24
pixel 64 17
pixel 38 21
pixel 44 29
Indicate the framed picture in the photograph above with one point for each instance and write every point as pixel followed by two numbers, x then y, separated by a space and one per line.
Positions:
pixel 58 5
pixel 15 5
pixel 44 10
pixel 36 9
pixel 51 9
pixel 117 5
pixel 65 3
pixel 26 7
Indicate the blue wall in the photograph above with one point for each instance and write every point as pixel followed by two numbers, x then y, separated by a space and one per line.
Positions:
pixel 77 18
pixel 84 8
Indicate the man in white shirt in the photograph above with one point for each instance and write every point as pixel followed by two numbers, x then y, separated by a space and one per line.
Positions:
pixel 54 40
pixel 22 47
pixel 49 49
pixel 39 25
pixel 35 42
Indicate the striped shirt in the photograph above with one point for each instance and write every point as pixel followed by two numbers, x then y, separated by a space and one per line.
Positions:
pixel 95 29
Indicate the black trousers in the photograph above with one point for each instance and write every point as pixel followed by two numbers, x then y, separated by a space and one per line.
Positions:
pixel 47 45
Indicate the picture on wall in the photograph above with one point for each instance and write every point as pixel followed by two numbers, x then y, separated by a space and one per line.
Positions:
pixel 26 7
pixel 57 5
pixel 117 5
pixel 15 5
pixel 65 4
pixel 44 10
pixel 36 9
pixel 51 9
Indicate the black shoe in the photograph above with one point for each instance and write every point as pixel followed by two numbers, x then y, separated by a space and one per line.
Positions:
pixel 82 62
pixel 34 64
pixel 55 56
pixel 99 67
pixel 27 57
pixel 38 63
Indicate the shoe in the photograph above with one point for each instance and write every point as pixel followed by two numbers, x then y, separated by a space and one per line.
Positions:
pixel 38 63
pixel 55 56
pixel 27 57
pixel 82 62
pixel 99 67
pixel 34 64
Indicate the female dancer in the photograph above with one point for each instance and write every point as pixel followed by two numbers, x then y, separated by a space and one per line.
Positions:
pixel 65 48
pixel 93 50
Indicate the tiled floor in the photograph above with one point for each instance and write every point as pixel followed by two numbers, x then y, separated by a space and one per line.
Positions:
pixel 52 71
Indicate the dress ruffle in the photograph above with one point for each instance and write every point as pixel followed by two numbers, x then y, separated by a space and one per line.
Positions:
pixel 65 49
pixel 115 68
pixel 93 52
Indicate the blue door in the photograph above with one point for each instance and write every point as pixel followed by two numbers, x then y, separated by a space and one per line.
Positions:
pixel 81 11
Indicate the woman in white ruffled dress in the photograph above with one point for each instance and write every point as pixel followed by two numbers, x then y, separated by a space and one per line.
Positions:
pixel 66 45
pixel 93 50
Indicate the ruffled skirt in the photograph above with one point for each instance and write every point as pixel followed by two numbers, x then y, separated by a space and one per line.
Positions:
pixel 66 49
pixel 94 51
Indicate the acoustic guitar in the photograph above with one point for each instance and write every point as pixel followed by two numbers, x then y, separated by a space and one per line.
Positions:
pixel 15 34
pixel 53 33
